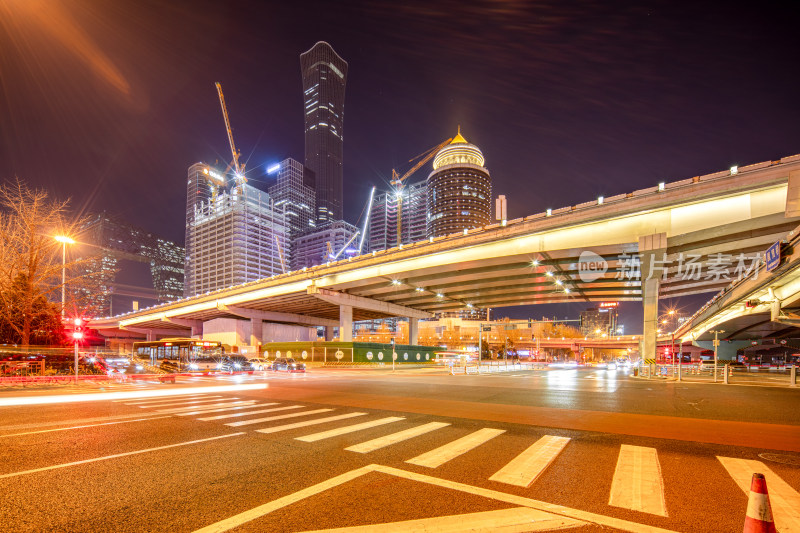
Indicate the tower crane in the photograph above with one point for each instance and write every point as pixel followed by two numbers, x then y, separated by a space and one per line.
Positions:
pixel 237 168
pixel 397 181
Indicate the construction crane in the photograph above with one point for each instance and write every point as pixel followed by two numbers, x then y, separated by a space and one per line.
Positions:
pixel 237 168
pixel 280 254
pixel 397 181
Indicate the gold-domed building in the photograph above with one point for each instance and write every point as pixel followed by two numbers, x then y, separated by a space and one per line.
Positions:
pixel 459 189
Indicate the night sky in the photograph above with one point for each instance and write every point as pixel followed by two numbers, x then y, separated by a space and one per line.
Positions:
pixel 109 102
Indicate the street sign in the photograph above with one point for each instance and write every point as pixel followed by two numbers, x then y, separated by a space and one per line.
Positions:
pixel 486 328
pixel 773 256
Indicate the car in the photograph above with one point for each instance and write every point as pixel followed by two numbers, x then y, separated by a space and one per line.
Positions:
pixel 259 364
pixel 288 364
pixel 235 363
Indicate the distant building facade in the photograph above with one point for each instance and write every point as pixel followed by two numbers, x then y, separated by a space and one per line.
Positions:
pixel 294 195
pixel 459 194
pixel 312 248
pixel 133 267
pixel 383 218
pixel 202 184
pixel 324 76
pixel 600 320
pixel 236 237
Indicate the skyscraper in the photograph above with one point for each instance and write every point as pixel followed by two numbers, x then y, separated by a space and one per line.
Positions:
pixel 324 78
pixel 294 195
pixel 236 237
pixel 383 217
pixel 459 189
pixel 202 184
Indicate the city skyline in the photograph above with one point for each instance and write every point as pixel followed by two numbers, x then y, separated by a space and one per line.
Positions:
pixel 564 110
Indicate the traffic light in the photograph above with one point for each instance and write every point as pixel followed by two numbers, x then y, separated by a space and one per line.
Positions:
pixel 78 329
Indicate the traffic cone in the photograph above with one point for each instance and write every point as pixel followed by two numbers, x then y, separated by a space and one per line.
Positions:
pixel 759 512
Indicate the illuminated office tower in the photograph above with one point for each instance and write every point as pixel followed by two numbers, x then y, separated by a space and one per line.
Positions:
pixel 293 195
pixel 201 185
pixel 383 217
pixel 459 189
pixel 324 76
pixel 312 248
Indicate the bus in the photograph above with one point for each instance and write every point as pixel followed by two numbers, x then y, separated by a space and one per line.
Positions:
pixel 182 354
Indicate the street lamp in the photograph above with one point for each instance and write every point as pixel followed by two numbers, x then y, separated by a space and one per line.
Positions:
pixel 716 347
pixel 64 240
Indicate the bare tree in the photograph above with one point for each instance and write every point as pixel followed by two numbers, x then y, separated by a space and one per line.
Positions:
pixel 30 258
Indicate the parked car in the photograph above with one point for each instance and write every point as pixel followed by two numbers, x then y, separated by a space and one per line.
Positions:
pixel 288 364
pixel 259 364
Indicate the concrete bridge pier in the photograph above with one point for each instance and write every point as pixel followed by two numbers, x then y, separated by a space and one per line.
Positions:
pixel 256 331
pixel 652 252
pixel 413 330
pixel 329 333
pixel 346 323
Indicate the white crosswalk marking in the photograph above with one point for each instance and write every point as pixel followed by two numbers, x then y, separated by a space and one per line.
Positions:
pixel 250 413
pixel 785 501
pixel 168 398
pixel 278 417
pixel 309 423
pixel 223 404
pixel 523 470
pixel 441 455
pixel 349 429
pixel 185 402
pixel 375 444
pixel 202 410
pixel 637 482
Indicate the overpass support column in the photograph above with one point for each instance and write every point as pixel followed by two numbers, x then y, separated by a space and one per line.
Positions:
pixel 652 251
pixel 256 331
pixel 346 323
pixel 151 335
pixel 413 330
pixel 329 333
pixel 197 331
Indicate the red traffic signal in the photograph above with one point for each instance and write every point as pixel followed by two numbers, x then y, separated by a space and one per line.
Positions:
pixel 79 329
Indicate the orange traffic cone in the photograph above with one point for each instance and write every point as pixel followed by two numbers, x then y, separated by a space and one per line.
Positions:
pixel 759 512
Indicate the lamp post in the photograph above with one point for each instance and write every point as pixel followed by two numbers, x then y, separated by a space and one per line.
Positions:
pixel 64 240
pixel 716 347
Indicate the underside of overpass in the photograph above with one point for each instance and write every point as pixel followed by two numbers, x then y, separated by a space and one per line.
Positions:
pixel 635 246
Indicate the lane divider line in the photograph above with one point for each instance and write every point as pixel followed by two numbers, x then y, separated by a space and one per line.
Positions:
pixel 523 470
pixel 349 429
pixel 151 400
pixel 117 455
pixel 400 436
pixel 309 423
pixel 448 452
pixel 785 501
pixel 637 484
pixel 84 426
pixel 278 417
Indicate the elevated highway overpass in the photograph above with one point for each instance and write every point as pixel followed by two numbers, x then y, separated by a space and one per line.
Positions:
pixel 586 252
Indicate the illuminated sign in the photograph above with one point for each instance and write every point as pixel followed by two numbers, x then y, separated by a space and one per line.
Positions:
pixel 272 169
pixel 609 305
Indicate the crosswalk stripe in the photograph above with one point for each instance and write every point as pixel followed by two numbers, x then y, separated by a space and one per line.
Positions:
pixel 309 423
pixel 185 402
pixel 349 429
pixel 249 413
pixel 381 442
pixel 523 470
pixel 442 454
pixel 161 399
pixel 279 417
pixel 223 404
pixel 637 482
pixel 785 501
pixel 202 410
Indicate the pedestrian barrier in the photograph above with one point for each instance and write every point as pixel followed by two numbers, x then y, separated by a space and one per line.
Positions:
pixel 759 511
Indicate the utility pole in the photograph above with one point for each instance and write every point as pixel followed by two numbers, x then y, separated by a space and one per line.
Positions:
pixel 716 347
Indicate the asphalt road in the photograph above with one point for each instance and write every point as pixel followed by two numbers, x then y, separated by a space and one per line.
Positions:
pixel 185 462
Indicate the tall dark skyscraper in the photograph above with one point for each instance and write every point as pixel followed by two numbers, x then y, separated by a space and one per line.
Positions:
pixel 324 79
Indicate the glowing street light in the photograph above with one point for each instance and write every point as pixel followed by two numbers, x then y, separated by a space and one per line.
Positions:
pixel 64 240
